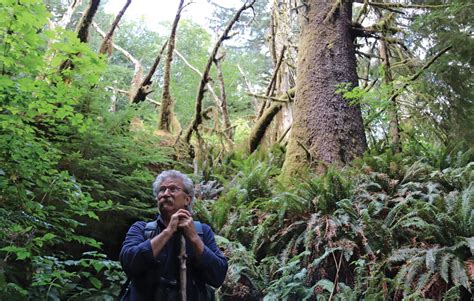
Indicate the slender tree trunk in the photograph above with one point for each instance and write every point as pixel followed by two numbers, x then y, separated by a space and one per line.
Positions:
pixel 227 128
pixel 84 25
pixel 393 126
pixel 326 128
pixel 166 113
pixel 106 46
pixel 282 80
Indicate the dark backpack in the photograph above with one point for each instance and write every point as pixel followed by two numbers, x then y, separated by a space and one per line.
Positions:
pixel 150 231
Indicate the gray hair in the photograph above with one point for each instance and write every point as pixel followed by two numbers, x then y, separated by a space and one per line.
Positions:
pixel 187 182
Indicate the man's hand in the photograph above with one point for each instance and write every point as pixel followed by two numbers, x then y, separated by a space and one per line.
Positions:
pixel 183 220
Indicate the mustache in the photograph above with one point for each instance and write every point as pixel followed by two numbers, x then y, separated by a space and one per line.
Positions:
pixel 165 200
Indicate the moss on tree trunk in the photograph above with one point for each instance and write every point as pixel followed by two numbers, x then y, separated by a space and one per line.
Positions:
pixel 326 128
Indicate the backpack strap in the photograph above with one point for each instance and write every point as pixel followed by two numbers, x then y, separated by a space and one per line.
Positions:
pixel 151 230
pixel 198 227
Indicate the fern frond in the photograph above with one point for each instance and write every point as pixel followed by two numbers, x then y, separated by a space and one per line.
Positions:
pixel 416 267
pixel 318 260
pixel 414 222
pixel 402 219
pixel 430 259
pixel 416 171
pixel 459 275
pixel 394 212
pixel 325 284
pixel 402 255
pixel 452 294
pixel 444 266
pixel 470 241
pixel 423 280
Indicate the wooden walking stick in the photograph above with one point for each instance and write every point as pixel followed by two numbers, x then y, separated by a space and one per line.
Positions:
pixel 182 267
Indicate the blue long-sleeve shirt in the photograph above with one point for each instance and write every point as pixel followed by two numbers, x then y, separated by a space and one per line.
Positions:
pixel 145 271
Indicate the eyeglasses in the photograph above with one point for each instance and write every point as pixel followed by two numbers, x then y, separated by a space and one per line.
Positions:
pixel 173 189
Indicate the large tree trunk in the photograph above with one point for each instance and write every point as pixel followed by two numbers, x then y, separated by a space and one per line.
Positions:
pixel 326 128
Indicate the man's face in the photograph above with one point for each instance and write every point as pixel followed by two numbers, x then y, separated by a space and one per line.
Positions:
pixel 171 196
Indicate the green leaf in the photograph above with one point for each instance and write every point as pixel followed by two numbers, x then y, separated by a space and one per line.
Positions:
pixel 98 266
pixel 20 252
pixel 95 282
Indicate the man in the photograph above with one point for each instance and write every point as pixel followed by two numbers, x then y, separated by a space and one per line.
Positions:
pixel 152 263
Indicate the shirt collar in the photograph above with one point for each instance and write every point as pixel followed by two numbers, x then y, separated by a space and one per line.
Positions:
pixel 160 221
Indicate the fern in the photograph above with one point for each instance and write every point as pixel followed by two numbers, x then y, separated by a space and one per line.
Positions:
pixel 444 266
pixel 402 255
pixel 452 294
pixel 459 275
pixel 415 268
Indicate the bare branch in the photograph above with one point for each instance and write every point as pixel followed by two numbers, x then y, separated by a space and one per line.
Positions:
pixel 249 87
pixel 209 87
pixel 144 88
pixel 127 93
pixel 409 81
pixel 402 5
pixel 106 46
pixel 68 14
pixel 138 69
pixel 261 126
pixel 223 103
pixel 197 120
pixel 267 97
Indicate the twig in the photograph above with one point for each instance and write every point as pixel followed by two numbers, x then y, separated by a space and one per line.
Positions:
pixel 336 278
pixel 249 87
pixel 271 85
pixel 266 97
pixel 411 79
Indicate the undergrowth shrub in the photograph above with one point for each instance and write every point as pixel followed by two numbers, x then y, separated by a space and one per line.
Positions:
pixel 389 227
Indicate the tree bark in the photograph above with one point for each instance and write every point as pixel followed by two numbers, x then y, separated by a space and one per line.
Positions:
pixel 324 122
pixel 86 21
pixel 261 126
pixel 82 31
pixel 140 91
pixel 227 128
pixel 393 126
pixel 106 46
pixel 166 112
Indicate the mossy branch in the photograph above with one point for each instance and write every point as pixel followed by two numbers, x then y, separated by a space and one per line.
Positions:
pixel 197 119
pixel 106 46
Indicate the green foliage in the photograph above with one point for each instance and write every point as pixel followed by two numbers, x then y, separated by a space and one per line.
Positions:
pixel 388 227
pixel 391 226
pixel 62 161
